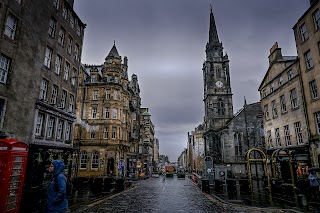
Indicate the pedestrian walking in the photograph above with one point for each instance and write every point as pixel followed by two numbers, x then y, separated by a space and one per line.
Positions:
pixel 314 184
pixel 56 193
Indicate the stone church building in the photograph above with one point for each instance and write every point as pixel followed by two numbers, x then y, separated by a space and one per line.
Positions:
pixel 227 136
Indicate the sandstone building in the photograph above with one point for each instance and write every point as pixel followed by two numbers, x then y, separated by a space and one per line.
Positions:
pixel 146 142
pixel 307 38
pixel 198 150
pixel 282 103
pixel 108 108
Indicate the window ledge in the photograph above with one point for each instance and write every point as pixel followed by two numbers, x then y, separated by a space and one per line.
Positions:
pixel 315 99
pixel 295 108
pixel 309 69
pixel 304 41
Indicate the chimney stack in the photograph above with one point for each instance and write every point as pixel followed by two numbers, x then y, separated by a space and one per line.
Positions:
pixel 275 53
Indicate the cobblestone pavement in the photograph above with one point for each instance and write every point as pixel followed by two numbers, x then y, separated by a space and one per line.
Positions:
pixel 165 195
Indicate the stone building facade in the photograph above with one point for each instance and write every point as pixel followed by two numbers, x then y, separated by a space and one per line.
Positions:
pixel 190 154
pixel 134 133
pixel 217 93
pixel 198 149
pixel 146 142
pixel 105 122
pixel 242 133
pixel 307 38
pixel 182 160
pixel 40 53
pixel 155 155
pixel 282 103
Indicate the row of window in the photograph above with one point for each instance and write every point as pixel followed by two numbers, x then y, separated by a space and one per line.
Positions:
pixel 303 28
pixel 62 37
pixel 84 158
pixel 106 134
pixel 287 136
pixel 93 78
pixel 283 105
pixel 115 95
pixel 94 113
pixel 54 95
pixel 51 127
pixel 58 66
pixel 69 17
pixel 290 75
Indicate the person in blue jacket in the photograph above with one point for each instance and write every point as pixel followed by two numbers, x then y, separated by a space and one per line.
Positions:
pixel 56 193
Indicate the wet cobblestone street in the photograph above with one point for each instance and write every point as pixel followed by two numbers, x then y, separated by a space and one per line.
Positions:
pixel 165 195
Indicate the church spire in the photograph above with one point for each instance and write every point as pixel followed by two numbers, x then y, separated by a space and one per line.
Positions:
pixel 213 35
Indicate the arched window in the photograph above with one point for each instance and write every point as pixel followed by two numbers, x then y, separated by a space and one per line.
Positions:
pixel 238 144
pixel 220 108
pixel 95 160
pixel 83 159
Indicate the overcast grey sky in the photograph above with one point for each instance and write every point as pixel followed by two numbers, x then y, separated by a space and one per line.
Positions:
pixel 165 42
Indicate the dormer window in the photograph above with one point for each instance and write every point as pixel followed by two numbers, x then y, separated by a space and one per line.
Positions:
pixel 93 79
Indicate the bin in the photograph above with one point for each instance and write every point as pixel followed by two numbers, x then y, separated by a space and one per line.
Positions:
pixel 120 184
pixel 205 186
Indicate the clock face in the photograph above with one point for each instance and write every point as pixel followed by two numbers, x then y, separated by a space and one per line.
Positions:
pixel 219 84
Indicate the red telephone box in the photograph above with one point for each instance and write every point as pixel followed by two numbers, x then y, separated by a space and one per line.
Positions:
pixel 13 161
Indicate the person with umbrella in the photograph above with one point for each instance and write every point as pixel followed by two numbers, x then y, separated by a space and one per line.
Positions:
pixel 314 183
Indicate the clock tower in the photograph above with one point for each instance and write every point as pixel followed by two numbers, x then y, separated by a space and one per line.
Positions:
pixel 217 92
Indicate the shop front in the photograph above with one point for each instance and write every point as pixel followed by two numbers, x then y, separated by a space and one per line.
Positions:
pixel 38 176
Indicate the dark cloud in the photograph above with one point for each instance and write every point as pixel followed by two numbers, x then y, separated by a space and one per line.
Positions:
pixel 165 44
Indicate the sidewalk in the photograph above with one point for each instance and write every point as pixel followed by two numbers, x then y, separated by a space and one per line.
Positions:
pixel 215 198
pixel 82 198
